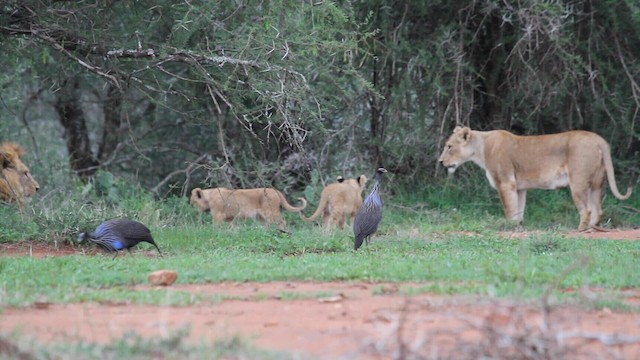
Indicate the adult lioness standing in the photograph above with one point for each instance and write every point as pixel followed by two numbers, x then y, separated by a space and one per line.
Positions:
pixel 514 164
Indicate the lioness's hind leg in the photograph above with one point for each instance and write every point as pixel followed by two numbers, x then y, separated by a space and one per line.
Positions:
pixel 581 198
pixel 595 203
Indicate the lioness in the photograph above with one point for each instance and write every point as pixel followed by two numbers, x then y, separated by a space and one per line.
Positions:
pixel 226 204
pixel 339 200
pixel 514 164
pixel 16 183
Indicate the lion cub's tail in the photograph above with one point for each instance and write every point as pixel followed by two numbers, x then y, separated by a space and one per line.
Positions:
pixel 287 206
pixel 611 177
pixel 321 206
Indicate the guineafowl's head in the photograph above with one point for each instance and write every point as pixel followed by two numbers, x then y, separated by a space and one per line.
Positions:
pixel 83 236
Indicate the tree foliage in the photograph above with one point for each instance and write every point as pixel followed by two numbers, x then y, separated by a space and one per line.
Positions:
pixel 242 93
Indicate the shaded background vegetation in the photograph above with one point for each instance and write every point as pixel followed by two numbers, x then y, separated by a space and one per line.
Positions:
pixel 165 96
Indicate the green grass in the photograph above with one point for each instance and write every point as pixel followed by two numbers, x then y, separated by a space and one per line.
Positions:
pixel 443 241
pixel 484 263
pixel 434 237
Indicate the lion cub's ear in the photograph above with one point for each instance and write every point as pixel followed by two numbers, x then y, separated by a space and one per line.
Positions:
pixel 362 180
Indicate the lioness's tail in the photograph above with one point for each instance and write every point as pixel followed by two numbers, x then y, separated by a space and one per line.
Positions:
pixel 287 206
pixel 321 206
pixel 608 165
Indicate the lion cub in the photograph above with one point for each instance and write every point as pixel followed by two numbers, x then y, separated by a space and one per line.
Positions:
pixel 227 204
pixel 339 200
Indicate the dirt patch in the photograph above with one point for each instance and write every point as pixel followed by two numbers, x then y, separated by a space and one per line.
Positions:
pixel 346 320
pixel 630 234
pixel 37 250
pixel 351 320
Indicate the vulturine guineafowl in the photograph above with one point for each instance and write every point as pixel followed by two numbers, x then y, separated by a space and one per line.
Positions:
pixel 119 234
pixel 369 214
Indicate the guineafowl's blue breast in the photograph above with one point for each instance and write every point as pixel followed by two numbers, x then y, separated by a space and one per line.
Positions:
pixel 108 231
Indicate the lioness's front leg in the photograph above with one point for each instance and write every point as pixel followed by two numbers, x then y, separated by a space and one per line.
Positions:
pixel 522 201
pixel 509 198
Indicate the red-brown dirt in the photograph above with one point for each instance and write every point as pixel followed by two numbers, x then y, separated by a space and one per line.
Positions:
pixel 348 320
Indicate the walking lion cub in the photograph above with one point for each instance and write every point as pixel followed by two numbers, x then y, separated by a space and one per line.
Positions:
pixel 225 204
pixel 339 200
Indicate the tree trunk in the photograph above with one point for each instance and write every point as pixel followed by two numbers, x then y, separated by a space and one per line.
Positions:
pixel 375 115
pixel 112 121
pixel 71 117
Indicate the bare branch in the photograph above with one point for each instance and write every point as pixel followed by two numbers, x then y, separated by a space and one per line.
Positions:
pixel 188 170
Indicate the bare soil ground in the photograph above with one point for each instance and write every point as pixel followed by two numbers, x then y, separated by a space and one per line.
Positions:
pixel 348 320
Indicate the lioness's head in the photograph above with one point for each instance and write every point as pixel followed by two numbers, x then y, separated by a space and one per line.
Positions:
pixel 199 199
pixel 16 182
pixel 458 149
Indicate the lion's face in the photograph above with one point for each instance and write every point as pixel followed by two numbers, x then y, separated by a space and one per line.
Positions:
pixel 457 150
pixel 16 182
pixel 199 199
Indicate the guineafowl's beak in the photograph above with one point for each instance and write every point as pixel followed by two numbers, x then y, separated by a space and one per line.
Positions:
pixel 82 237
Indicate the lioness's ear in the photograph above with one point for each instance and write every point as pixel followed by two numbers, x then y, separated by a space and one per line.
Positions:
pixel 198 193
pixel 464 134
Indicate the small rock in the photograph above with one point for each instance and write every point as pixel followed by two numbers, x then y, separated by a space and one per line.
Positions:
pixel 42 305
pixel 332 299
pixel 163 277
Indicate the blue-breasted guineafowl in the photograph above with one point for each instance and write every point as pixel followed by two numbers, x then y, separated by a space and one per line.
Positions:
pixel 369 214
pixel 118 234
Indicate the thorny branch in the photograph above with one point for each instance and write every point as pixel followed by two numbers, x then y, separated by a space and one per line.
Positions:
pixel 187 171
